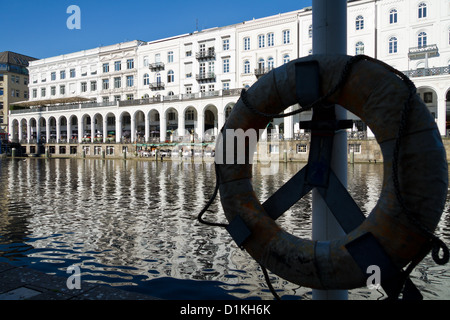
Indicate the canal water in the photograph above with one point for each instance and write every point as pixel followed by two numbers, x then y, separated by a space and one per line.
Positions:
pixel 132 225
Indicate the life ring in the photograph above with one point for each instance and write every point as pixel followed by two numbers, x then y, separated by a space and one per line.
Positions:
pixel 376 94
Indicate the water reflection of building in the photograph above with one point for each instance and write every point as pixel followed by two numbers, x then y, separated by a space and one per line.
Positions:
pixel 127 222
pixel 184 87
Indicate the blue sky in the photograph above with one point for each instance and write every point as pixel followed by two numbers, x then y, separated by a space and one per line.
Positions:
pixel 38 28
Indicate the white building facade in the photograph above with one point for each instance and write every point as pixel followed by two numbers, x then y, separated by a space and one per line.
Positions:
pixel 185 86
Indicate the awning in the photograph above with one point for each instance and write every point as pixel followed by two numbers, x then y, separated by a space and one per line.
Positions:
pixel 50 102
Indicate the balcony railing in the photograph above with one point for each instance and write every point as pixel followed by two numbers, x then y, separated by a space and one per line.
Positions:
pixel 209 54
pixel 156 66
pixel 157 85
pixel 262 71
pixel 426 72
pixel 206 76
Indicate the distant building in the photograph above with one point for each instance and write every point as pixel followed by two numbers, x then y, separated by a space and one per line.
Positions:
pixel 13 83
pixel 146 91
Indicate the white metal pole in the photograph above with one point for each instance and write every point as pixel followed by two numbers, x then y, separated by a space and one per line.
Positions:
pixel 330 37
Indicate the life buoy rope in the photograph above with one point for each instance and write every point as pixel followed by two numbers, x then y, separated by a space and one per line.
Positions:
pixel 405 234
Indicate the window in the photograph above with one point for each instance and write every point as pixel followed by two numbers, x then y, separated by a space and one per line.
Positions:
pixel 202 48
pixel 170 56
pixel 130 64
pixel 53 76
pixel 83 86
pixel 211 67
pixel 105 84
pixel 270 63
pixel 393 16
pixel 310 31
pixel 247 67
pixel 286 58
pixel 428 97
pixel 117 66
pixel 130 96
pixel 247 44
pixel 117 82
pixel 226 65
pixel 393 45
pixel 158 78
pixel 422 12
pixel 188 70
pixel 190 115
pixel 359 22
pixel 354 148
pixel 359 48
pixel 261 41
pixel 34 92
pixel 422 40
pixel 130 81
pixel 105 67
pixel 226 86
pixel 97 150
pixel 202 69
pixel 93 85
pixel 109 150
pixel 42 92
pixel 146 79
pixel 286 36
pixel 53 91
pixel 226 44
pixel 270 39
pixel 146 61
pixel 62 74
pixel 72 73
pixel 261 64
pixel 188 90
pixel 302 148
pixel 1 92
pixel 62 90
pixel 274 148
pixel 116 98
pixel 170 76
